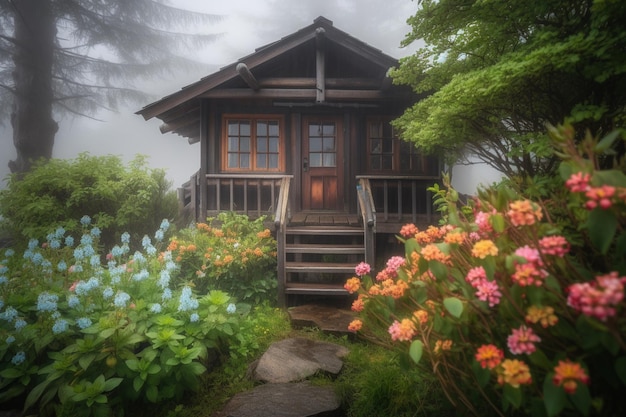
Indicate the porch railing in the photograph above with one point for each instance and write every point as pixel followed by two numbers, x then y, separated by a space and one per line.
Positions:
pixel 368 214
pixel 401 198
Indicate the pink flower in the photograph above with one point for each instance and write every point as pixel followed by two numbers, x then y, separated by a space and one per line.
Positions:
pixel 475 275
pixel 554 245
pixel 522 340
pixel 482 221
pixel 393 264
pixel 488 291
pixel 408 231
pixel 600 196
pixel 402 331
pixel 528 274
pixel 578 182
pixel 530 254
pixel 598 299
pixel 362 269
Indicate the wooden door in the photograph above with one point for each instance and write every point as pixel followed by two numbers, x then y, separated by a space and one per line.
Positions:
pixel 322 163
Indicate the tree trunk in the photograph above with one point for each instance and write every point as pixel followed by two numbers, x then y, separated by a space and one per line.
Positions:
pixel 33 126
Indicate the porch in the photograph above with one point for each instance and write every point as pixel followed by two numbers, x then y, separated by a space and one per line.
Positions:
pixel 317 250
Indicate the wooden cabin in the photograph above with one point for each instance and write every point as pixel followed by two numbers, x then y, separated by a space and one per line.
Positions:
pixel 299 132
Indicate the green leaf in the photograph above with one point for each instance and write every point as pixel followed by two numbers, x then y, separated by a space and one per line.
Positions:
pixel 581 399
pixel 439 270
pixel 152 393
pixel 554 397
pixel 416 350
pixel 601 226
pixel 607 141
pixel 11 373
pixel 483 376
pixel 138 383
pixel 540 359
pixel 112 383
pixel 35 393
pixel 512 395
pixel 86 359
pixel 454 306
pixel 497 222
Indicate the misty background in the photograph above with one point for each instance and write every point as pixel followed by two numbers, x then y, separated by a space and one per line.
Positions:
pixel 245 26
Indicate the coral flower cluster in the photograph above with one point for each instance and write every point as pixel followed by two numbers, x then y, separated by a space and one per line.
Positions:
pixel 486 290
pixel 568 374
pixel 524 213
pixel 603 196
pixel 599 298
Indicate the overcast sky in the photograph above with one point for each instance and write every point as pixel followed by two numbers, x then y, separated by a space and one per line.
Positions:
pixel 246 25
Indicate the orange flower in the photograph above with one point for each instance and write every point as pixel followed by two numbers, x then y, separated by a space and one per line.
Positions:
pixel 442 345
pixel 524 213
pixel 543 315
pixel 489 356
pixel 408 231
pixel 457 237
pixel 355 325
pixel 258 252
pixel 359 304
pixel 352 285
pixel 484 248
pixel 203 226
pixel 264 234
pixel 218 233
pixel 402 331
pixel 421 316
pixel 568 374
pixel 514 372
pixel 433 253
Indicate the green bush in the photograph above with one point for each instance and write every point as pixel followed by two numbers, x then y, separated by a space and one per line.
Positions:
pixel 80 338
pixel 58 192
pixel 231 253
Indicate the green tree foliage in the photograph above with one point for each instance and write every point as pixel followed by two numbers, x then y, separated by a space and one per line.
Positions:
pixel 59 192
pixel 493 73
pixel 81 56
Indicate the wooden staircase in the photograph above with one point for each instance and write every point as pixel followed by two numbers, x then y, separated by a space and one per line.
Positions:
pixel 319 259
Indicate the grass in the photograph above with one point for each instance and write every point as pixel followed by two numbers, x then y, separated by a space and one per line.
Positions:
pixel 372 382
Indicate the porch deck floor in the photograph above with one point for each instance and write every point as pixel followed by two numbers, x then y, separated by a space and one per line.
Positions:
pixel 324 219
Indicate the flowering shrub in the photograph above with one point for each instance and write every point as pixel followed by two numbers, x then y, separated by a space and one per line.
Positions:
pixel 87 333
pixel 230 253
pixel 497 308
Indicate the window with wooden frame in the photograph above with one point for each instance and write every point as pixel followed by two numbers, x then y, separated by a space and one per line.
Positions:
pixel 252 143
pixel 387 153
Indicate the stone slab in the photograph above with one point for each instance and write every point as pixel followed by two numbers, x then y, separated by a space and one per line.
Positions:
pixel 283 400
pixel 327 318
pixel 295 359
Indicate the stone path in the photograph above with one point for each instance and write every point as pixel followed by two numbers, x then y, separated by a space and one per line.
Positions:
pixel 284 367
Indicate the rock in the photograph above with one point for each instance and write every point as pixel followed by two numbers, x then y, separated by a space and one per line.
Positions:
pixel 326 318
pixel 283 400
pixel 295 359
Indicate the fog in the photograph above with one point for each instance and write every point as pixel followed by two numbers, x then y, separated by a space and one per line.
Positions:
pixel 246 25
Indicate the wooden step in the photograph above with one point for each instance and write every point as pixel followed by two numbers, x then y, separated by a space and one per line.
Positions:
pixel 325 249
pixel 324 230
pixel 322 267
pixel 315 289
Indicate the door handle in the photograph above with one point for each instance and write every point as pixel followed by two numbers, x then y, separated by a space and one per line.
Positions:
pixel 305 164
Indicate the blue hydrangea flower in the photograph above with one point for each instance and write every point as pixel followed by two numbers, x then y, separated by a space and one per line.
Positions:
pixel 79 254
pixel 28 254
pixel 165 224
pixel 139 258
pixel 117 251
pixel 37 258
pixel 159 235
pixel 76 268
pixel 231 309
pixel 95 231
pixel 151 250
pixel 62 266
pixel 20 324
pixel 89 251
pixel 4 269
pixel 10 339
pixel 18 358
pixel 55 244
pixel 59 326
pixel 83 322
pixel 141 275
pixel 145 241
pixel 194 317
pixel 185 301
pixel 69 241
pixel 164 279
pixel 167 294
pixel 94 261
pixel 3 279
pixel 32 244
pixel 46 266
pixel 85 220
pixel 73 301
pixel 155 308
pixel 9 252
pixel 47 302
pixel 59 233
pixel 125 238
pixel 107 293
pixel 86 239
pixel 121 299
pixel 170 265
pixel 9 314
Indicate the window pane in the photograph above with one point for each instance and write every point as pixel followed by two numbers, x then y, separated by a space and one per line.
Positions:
pixel 244 160
pixel 261 145
pixel 329 144
pixel 315 159
pixel 315 144
pixel 376 146
pixel 329 159
pixel 387 132
pixel 387 146
pixel 273 145
pixel 261 160
pixel 387 162
pixel 244 144
pixel 261 128
pixel 329 129
pixel 375 130
pixel 314 129
pixel 233 144
pixel 273 161
pixel 375 162
pixel 273 128
pixel 244 128
pixel 233 128
pixel 233 159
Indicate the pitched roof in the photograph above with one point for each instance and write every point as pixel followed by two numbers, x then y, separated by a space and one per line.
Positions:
pixel 184 105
